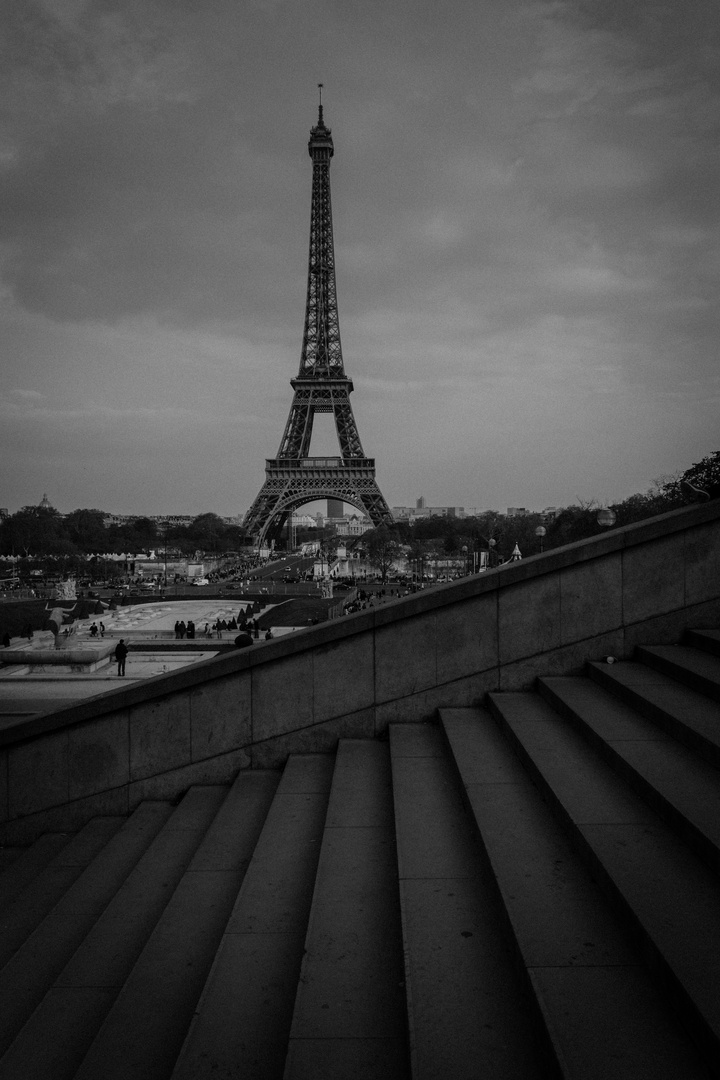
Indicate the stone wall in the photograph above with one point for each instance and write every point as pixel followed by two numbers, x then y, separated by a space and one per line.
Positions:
pixel 448 645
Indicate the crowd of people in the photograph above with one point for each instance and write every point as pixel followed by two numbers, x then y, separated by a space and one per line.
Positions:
pixel 364 600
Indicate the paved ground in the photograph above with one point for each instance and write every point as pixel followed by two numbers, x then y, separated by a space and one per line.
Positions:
pixel 150 626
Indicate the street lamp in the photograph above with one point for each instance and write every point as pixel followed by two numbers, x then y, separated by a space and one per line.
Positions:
pixel 540 533
pixel 606 517
pixel 464 551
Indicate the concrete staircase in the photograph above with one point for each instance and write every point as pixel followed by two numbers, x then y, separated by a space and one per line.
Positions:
pixel 521 891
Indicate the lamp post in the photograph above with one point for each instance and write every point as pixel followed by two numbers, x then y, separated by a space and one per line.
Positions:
pixel 465 553
pixel 540 533
pixel 606 517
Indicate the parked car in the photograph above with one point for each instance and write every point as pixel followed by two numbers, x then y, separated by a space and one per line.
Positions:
pixel 200 581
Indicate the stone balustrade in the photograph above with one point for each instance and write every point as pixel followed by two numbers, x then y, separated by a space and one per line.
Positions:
pixel 446 646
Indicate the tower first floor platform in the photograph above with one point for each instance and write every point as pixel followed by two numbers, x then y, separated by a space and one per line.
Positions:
pixel 291 482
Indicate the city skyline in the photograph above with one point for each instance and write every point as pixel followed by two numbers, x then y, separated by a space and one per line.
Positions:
pixel 526 241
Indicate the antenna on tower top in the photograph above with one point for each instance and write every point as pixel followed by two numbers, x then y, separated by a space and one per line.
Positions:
pixel 320 115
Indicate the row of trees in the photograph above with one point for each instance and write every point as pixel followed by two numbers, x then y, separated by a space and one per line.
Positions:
pixel 461 537
pixel 40 532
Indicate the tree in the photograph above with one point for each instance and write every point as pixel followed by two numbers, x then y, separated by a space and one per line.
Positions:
pixel 705 474
pixel 86 528
pixel 383 548
pixel 36 530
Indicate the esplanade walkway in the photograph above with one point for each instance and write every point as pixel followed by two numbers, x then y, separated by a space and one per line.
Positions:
pixel 442 839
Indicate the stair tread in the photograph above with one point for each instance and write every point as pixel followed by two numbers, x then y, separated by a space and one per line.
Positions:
pixel 44 891
pixel 710 636
pixel 466 1008
pixel 674 898
pixel 686 661
pixel 684 707
pixel 57 1035
pixel 144 1030
pixel 28 865
pixel 8 855
pixel 242 1022
pixel 587 979
pixel 683 780
pixel 351 979
pixel 38 962
pixel 693 659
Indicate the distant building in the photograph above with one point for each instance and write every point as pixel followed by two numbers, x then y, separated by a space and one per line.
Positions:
pixel 353 525
pixel 346 525
pixel 517 511
pixel 413 513
pixel 420 504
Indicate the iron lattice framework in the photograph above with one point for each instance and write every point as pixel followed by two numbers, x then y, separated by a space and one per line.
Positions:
pixel 293 478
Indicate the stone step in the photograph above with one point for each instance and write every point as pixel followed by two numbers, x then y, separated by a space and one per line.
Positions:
pixel 587 979
pixel 242 1023
pixel 349 1014
pixel 18 874
pixel 668 898
pixel 680 786
pixel 687 715
pixel 708 640
pixel 58 1034
pixel 144 1030
pixel 468 1012
pixel 32 970
pixel 694 668
pixel 39 897
pixel 8 855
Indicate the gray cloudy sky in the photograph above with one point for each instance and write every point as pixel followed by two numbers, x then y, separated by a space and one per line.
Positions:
pixel 525 199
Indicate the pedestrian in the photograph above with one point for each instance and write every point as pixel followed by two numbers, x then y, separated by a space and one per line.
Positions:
pixel 256 628
pixel 268 635
pixel 177 628
pixel 6 640
pixel 190 629
pixel 121 651
pixel 94 630
pixel 182 628
pixel 102 629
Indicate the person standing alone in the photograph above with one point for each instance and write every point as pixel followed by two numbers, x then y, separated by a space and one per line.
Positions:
pixel 121 651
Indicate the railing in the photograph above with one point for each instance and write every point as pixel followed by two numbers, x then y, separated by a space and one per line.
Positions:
pixel 319 463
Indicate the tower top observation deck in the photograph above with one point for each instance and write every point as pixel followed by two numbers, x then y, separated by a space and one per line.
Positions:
pixel 320 146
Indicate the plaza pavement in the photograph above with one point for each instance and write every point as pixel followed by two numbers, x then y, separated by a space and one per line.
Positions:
pixel 148 630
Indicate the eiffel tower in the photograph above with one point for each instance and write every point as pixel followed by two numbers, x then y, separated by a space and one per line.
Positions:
pixel 293 478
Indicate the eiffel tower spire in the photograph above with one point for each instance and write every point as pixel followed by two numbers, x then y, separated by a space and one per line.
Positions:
pixel 294 478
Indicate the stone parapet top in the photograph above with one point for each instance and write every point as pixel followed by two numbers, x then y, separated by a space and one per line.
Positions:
pixel 440 596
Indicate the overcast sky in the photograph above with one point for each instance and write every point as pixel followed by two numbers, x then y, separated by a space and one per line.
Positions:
pixel 525 201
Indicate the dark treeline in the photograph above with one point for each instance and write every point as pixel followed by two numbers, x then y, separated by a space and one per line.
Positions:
pixel 38 532
pixel 458 536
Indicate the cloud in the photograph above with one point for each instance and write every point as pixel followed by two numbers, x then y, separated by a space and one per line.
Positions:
pixel 527 243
